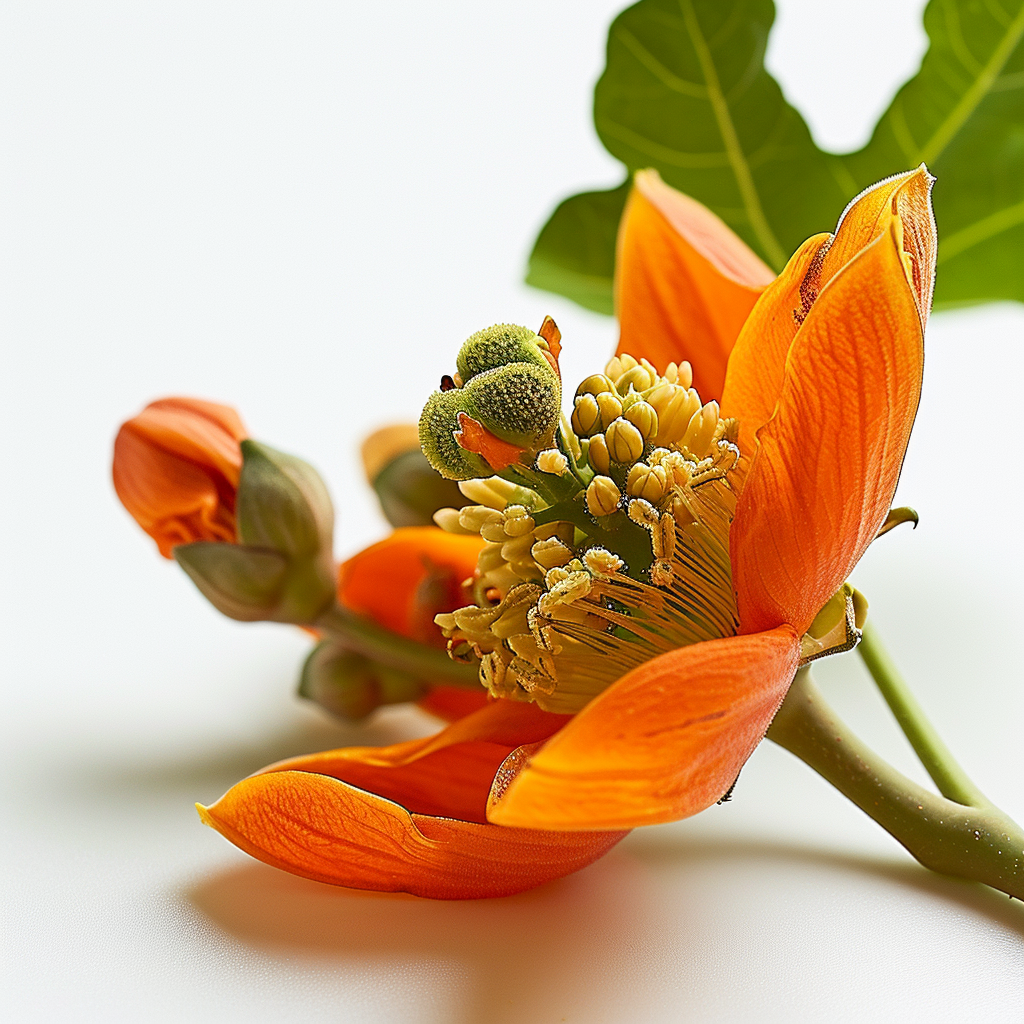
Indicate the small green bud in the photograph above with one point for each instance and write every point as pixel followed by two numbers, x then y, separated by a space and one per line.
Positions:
pixel 498 346
pixel 520 403
pixel 243 583
pixel 350 685
pixel 439 422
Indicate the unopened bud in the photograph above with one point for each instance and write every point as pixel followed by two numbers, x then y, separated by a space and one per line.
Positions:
pixel 642 415
pixel 597 454
pixel 640 378
pixel 586 416
pixel 603 496
pixel 618 365
pixel 701 430
pixel 648 482
pixel 610 407
pixel 595 384
pixel 625 442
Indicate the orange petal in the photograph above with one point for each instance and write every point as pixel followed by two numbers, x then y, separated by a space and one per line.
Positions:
pixel 403 581
pixel 405 818
pixel 475 437
pixel 685 282
pixel 317 827
pixel 665 741
pixel 827 464
pixel 757 363
pixel 447 774
pixel 906 197
pixel 176 469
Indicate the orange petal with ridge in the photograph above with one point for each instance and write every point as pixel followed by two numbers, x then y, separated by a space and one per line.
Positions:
pixel 827 464
pixel 450 703
pixel 906 197
pixel 665 741
pixel 684 284
pixel 405 818
pixel 317 827
pixel 176 469
pixel 758 360
pixel 403 581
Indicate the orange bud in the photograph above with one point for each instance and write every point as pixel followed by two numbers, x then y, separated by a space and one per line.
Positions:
pixel 176 469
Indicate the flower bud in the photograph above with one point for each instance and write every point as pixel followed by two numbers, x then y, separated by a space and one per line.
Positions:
pixel 500 345
pixel 640 378
pixel 701 429
pixel 625 442
pixel 176 469
pixel 586 416
pixel 642 415
pixel 350 685
pixel 408 488
pixel 597 454
pixel 603 496
pixel 595 384
pixel 610 407
pixel 647 482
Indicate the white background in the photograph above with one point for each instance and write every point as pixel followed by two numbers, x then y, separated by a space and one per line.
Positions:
pixel 302 209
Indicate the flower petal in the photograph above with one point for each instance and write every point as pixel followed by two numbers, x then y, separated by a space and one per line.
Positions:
pixel 447 774
pixel 405 818
pixel 827 464
pixel 403 581
pixel 685 282
pixel 758 360
pixel 904 196
pixel 450 703
pixel 664 742
pixel 317 827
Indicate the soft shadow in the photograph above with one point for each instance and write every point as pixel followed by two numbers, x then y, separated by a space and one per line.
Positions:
pixel 654 847
pixel 585 937
pixel 217 765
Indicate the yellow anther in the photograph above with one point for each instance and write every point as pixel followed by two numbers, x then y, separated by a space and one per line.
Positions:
pixel 639 377
pixel 603 496
pixel 494 533
pixel 648 482
pixel 551 460
pixel 518 522
pixel 643 513
pixel 595 384
pixel 701 430
pixel 473 517
pixel 586 416
pixel 610 407
pixel 551 553
pixel 601 562
pixel 597 454
pixel 572 588
pixel 555 576
pixel 625 442
pixel 448 520
pixel 643 416
pixel 618 365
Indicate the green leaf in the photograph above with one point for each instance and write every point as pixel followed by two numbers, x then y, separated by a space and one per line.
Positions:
pixel 574 254
pixel 685 91
pixel 962 114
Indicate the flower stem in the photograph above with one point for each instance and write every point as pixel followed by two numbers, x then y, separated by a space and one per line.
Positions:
pixel 946 773
pixel 428 663
pixel 976 842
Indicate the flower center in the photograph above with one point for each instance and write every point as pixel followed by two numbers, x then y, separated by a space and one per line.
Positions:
pixel 612 548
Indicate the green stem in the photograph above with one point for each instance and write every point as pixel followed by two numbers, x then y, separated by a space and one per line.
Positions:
pixel 978 843
pixel 946 773
pixel 380 644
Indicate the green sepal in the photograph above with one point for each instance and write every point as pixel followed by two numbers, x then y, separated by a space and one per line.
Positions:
pixel 244 583
pixel 282 503
pixel 410 490
pixel 350 685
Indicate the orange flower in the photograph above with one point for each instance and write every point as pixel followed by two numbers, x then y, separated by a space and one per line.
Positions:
pixel 822 369
pixel 176 469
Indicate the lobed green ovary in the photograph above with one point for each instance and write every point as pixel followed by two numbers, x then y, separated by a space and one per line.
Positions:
pixel 500 345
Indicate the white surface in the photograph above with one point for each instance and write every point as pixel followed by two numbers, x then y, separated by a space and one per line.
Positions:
pixel 303 209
